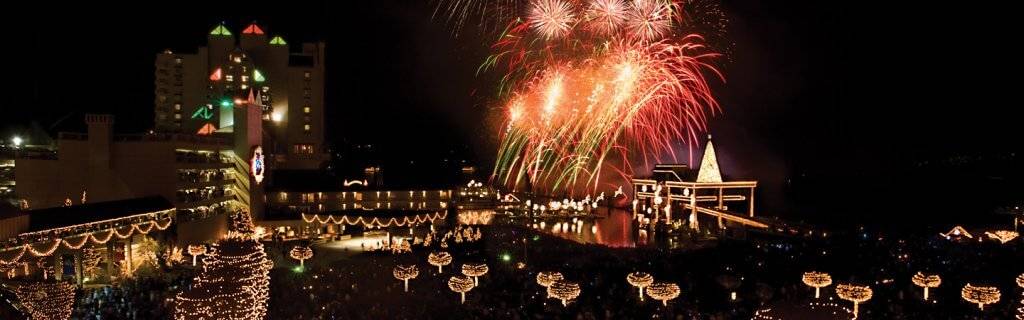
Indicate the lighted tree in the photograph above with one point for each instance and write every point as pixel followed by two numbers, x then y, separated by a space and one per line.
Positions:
pixel 474 270
pixel 663 291
pixel 301 253
pixel 439 259
pixel 640 280
pixel 461 284
pixel 564 290
pixel 926 282
pixel 91 261
pixel 233 285
pixel 817 280
pixel 855 294
pixel 405 273
pixel 196 250
pixel 47 300
pixel 241 223
pixel 173 256
pixel 980 295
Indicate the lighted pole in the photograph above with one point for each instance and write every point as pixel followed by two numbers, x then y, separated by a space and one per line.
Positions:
pixel 564 290
pixel 196 251
pixel 926 281
pixel 439 259
pixel 405 273
pixel 980 295
pixel 474 270
pixel 640 280
pixel 301 254
pixel 817 280
pixel 460 284
pixel 663 291
pixel 855 294
pixel 546 278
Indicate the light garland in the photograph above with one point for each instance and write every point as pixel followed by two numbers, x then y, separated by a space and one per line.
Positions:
pixel 980 295
pixel 474 270
pixel 546 278
pixel 439 259
pixel 663 291
pixel 460 284
pixel 301 254
pixel 926 281
pixel 855 294
pixel 376 222
pixel 1003 236
pixel 817 280
pixel 564 290
pixel 1020 280
pixel 87 237
pixel 234 284
pixel 405 273
pixel 47 300
pixel 640 280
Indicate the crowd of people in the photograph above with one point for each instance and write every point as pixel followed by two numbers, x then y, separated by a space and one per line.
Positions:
pixel 132 299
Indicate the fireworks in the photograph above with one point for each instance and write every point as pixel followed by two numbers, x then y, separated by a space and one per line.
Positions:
pixel 649 20
pixel 552 18
pixel 606 17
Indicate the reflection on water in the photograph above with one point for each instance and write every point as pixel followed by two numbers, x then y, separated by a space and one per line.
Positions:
pixel 615 229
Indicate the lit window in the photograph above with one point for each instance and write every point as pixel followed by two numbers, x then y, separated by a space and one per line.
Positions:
pixel 229 78
pixel 305 109
pixel 177 60
pixel 266 89
pixel 306 127
pixel 303 149
pixel 177 116
pixel 245 78
pixel 177 107
pixel 307 75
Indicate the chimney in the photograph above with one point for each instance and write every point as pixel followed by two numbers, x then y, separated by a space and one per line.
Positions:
pixel 101 127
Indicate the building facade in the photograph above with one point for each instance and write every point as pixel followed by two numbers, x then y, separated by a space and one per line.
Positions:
pixel 196 92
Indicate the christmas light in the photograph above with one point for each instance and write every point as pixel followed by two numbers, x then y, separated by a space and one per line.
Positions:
pixel 855 294
pixel 301 254
pixel 980 295
pixel 196 251
pixel 233 285
pixel 376 222
pixel 1003 236
pixel 926 281
pixel 439 259
pixel 460 284
pixel 663 292
pixel 405 273
pixel 640 280
pixel 474 270
pixel 564 290
pixel 817 280
pixel 546 278
pixel 47 300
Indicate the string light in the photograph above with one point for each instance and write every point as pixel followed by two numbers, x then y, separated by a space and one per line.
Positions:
pixel 1003 236
pixel 460 284
pixel 855 294
pixel 405 273
pixel 817 280
pixel 301 254
pixel 640 280
pixel 474 270
pixel 196 251
pixel 47 300
pixel 546 278
pixel 85 237
pixel 233 285
pixel 439 259
pixel 376 221
pixel 926 281
pixel 564 290
pixel 663 291
pixel 980 295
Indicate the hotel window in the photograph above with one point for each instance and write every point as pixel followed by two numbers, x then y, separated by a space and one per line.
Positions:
pixel 305 93
pixel 305 109
pixel 177 116
pixel 229 78
pixel 177 60
pixel 306 128
pixel 245 78
pixel 308 197
pixel 304 149
pixel 307 75
pixel 283 196
pixel 177 107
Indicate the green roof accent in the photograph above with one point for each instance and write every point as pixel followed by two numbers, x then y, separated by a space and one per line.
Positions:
pixel 202 112
pixel 220 30
pixel 278 41
pixel 257 76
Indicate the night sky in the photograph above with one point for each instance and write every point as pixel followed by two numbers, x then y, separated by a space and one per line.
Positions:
pixel 828 104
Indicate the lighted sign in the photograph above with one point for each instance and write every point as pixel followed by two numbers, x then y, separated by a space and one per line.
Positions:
pixel 257 165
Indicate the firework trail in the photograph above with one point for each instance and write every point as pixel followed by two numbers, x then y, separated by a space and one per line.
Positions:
pixel 592 89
